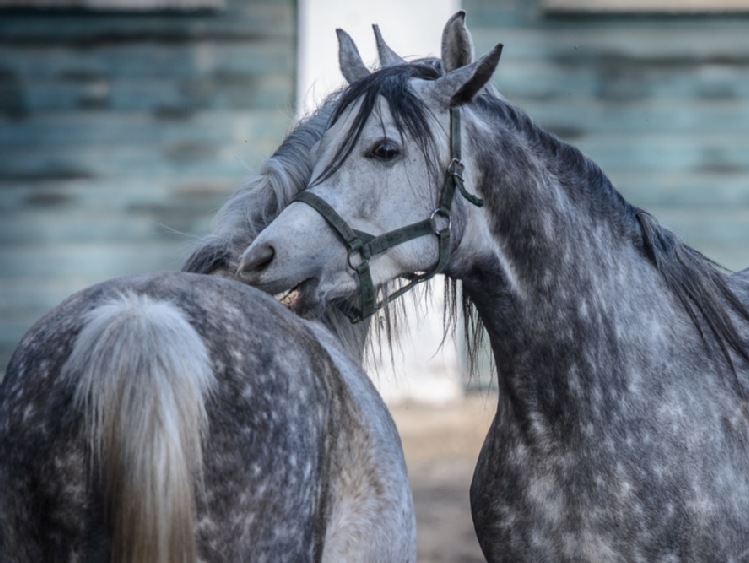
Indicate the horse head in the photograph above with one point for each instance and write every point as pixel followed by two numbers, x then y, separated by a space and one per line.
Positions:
pixel 387 196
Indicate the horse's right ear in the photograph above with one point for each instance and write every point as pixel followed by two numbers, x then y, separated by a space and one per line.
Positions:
pixel 457 46
pixel 461 85
pixel 388 57
pixel 352 66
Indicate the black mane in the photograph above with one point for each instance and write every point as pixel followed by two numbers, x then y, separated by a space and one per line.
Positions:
pixel 410 113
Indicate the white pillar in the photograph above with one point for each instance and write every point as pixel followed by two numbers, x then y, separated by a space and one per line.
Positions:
pixel 413 29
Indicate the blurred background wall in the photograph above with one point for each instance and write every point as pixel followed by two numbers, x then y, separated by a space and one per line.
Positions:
pixel 122 129
pixel 125 123
pixel 659 98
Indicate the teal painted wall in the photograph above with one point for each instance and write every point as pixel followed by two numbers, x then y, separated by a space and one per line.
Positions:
pixel 659 101
pixel 121 134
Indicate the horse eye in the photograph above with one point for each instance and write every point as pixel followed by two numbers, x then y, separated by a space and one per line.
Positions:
pixel 384 150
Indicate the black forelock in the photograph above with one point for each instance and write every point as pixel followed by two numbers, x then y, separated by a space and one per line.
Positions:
pixel 409 112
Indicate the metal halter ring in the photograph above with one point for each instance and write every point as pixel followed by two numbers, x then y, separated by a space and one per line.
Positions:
pixel 362 260
pixel 433 219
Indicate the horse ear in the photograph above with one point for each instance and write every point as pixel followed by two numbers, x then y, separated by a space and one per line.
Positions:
pixel 461 85
pixel 457 46
pixel 388 57
pixel 349 59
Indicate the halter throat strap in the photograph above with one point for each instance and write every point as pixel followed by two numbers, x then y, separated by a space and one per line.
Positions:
pixel 363 246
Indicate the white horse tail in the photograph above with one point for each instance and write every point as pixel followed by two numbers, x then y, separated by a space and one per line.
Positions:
pixel 141 373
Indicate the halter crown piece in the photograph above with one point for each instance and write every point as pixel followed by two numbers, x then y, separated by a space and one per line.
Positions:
pixel 362 246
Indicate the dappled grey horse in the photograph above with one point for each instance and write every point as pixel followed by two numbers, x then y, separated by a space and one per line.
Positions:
pixel 179 417
pixel 622 427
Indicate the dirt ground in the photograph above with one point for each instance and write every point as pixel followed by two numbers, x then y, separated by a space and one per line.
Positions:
pixel 441 444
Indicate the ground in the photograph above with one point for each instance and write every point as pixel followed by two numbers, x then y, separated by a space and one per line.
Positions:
pixel 441 444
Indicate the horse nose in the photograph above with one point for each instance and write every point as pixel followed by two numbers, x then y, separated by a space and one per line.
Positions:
pixel 255 261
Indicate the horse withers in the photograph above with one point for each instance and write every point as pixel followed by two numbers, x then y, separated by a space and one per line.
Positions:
pixel 622 357
pixel 182 417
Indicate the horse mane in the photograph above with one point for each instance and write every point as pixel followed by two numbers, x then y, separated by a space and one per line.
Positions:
pixel 262 198
pixel 700 285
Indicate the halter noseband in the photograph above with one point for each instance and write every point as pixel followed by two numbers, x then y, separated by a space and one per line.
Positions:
pixel 362 246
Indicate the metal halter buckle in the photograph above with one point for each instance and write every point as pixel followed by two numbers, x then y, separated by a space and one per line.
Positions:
pixel 456 167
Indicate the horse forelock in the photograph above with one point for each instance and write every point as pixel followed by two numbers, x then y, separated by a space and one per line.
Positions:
pixel 410 113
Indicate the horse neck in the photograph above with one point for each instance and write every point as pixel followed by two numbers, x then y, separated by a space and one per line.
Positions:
pixel 572 306
pixel 552 212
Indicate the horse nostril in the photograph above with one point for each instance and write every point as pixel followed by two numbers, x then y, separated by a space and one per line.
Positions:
pixel 256 259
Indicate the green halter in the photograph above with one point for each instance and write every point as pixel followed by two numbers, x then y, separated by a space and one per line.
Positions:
pixel 362 246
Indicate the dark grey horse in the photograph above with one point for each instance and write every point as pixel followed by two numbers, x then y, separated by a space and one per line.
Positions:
pixel 622 429
pixel 180 417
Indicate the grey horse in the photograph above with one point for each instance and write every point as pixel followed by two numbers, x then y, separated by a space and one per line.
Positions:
pixel 622 425
pixel 184 417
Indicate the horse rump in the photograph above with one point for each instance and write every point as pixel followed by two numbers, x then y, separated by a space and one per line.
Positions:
pixel 135 376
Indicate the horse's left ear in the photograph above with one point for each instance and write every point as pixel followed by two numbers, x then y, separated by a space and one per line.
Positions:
pixel 349 59
pixel 461 85
pixel 388 57
pixel 457 45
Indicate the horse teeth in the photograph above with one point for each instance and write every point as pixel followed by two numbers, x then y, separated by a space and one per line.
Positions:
pixel 288 298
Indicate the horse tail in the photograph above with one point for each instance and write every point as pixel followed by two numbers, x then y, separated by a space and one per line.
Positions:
pixel 141 374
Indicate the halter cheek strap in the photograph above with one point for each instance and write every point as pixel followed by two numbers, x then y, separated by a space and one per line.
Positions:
pixel 363 246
